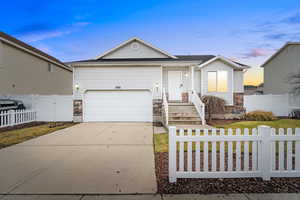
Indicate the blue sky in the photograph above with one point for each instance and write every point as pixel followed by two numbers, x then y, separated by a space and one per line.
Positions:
pixel 248 31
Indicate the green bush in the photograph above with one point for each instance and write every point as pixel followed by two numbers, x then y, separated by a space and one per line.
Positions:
pixel 259 115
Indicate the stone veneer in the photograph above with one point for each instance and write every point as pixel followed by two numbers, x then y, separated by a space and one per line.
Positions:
pixel 236 111
pixel 157 111
pixel 185 97
pixel 77 111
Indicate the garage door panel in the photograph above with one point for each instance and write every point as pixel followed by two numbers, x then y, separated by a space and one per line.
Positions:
pixel 118 106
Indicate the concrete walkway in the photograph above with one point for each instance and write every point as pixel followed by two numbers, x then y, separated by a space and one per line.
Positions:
pixel 89 158
pixel 280 196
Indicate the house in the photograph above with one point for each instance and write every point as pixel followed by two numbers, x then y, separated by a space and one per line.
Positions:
pixel 253 90
pixel 279 67
pixel 136 81
pixel 25 70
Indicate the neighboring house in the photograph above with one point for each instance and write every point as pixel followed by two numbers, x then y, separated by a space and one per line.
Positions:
pixel 253 90
pixel 279 67
pixel 25 70
pixel 127 82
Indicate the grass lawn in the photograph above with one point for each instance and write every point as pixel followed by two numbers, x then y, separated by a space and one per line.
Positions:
pixel 161 140
pixel 11 137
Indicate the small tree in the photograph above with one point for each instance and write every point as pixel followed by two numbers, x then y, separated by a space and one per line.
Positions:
pixel 294 80
pixel 213 105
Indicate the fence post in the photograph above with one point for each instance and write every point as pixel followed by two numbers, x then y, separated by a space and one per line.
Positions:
pixel 172 154
pixel 265 134
pixel 12 116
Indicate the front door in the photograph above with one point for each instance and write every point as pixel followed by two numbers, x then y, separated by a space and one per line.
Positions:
pixel 174 85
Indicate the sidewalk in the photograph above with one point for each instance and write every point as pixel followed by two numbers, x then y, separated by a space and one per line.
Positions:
pixel 274 196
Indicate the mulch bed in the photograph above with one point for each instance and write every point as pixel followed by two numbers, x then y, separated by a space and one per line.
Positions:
pixel 27 125
pixel 206 186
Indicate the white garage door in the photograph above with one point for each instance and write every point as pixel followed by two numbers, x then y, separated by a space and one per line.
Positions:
pixel 135 106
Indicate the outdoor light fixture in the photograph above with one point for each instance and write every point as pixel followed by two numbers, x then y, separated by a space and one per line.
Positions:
pixel 76 87
pixel 186 74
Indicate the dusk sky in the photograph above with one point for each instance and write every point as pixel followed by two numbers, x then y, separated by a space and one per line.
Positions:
pixel 247 31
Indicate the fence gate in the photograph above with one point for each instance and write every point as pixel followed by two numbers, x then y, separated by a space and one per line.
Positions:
pixel 234 153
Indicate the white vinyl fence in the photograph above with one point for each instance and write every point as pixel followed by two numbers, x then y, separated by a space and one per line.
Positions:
pixel 280 105
pixel 218 153
pixel 48 107
pixel 16 117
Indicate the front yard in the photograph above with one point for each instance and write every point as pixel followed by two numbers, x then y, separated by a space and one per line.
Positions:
pixel 220 185
pixel 11 137
pixel 161 140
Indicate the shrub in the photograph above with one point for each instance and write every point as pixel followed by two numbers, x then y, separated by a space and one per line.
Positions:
pixel 259 115
pixel 213 105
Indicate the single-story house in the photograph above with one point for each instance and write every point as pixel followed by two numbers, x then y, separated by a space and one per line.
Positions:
pixel 25 70
pixel 131 81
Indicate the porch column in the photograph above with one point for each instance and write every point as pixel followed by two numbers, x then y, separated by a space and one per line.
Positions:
pixel 192 68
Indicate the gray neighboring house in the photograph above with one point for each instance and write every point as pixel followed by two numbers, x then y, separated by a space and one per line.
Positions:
pixel 25 70
pixel 279 67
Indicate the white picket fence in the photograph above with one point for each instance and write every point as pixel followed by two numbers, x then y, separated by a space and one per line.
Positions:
pixel 16 117
pixel 218 153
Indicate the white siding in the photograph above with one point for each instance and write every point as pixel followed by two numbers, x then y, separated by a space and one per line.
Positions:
pixel 97 78
pixel 142 52
pixel 215 66
pixel 238 81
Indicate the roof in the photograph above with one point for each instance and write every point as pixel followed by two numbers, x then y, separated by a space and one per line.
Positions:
pixel 200 58
pixel 279 51
pixel 30 49
pixel 131 40
pixel 234 64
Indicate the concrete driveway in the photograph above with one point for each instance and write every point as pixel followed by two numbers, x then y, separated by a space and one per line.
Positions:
pixel 89 158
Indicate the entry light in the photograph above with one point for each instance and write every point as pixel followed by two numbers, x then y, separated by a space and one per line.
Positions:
pixel 76 87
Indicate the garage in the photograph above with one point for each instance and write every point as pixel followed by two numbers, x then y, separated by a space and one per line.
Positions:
pixel 118 106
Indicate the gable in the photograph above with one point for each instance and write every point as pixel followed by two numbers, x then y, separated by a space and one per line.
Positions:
pixel 134 48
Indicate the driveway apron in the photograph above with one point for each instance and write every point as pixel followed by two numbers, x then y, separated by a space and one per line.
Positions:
pixel 88 158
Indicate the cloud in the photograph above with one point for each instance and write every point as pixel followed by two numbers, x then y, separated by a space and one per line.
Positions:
pixel 42 31
pixel 276 36
pixel 293 19
pixel 256 52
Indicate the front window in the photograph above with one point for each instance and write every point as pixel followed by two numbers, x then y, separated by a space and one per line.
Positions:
pixel 217 81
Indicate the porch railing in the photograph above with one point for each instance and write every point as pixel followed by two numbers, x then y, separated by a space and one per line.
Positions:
pixel 199 105
pixel 166 107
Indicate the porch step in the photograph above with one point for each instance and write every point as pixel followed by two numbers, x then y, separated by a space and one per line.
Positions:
pixel 180 104
pixel 180 114
pixel 182 109
pixel 183 114
pixel 184 118
pixel 185 122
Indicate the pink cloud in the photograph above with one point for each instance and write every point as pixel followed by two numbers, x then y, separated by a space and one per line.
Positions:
pixel 256 52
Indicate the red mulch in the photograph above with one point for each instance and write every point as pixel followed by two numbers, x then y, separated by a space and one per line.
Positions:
pixel 206 186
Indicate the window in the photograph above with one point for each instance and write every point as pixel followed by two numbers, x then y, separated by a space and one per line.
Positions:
pixel 217 81
pixel 50 67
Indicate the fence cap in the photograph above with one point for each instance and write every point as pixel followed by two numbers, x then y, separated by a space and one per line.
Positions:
pixel 264 126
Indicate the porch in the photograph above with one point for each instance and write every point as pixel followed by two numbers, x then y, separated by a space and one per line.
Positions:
pixel 181 102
